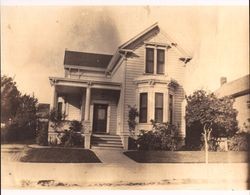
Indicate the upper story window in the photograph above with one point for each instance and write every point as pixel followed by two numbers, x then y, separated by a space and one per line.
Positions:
pixel 155 60
pixel 149 60
pixel 159 107
pixel 143 113
pixel 160 61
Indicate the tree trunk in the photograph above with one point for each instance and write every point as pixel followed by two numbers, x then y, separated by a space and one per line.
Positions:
pixel 206 146
pixel 206 135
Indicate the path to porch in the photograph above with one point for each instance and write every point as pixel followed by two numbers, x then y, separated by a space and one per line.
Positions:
pixel 112 156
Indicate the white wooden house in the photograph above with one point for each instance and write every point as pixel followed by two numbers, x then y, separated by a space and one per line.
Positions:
pixel 147 71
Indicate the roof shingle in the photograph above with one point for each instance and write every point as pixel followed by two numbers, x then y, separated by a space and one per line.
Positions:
pixel 86 59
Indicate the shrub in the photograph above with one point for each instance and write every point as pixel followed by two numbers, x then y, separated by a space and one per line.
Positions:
pixel 42 133
pixel 239 142
pixel 72 136
pixel 163 136
pixel 132 143
pixel 13 132
pixel 75 126
pixel 132 114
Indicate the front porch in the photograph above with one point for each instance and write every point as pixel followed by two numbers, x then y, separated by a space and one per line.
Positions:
pixel 96 104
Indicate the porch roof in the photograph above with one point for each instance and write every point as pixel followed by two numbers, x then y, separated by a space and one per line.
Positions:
pixel 98 84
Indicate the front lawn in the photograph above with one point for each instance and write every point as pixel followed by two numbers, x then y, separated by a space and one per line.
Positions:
pixel 187 157
pixel 23 153
pixel 59 155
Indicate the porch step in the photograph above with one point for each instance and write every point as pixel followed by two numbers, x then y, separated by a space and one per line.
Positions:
pixel 105 148
pixel 106 141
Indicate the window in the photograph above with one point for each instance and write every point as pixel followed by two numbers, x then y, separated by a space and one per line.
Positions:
pixel 143 108
pixel 59 110
pixel 170 109
pixel 155 64
pixel 149 60
pixel 159 107
pixel 160 61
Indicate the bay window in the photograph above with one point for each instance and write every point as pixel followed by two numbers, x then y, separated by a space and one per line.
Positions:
pixel 159 107
pixel 143 113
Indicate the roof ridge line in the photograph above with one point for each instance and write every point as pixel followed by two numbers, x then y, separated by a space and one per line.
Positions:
pixel 88 52
pixel 138 35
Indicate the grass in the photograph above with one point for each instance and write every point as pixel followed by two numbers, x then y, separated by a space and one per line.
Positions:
pixel 59 155
pixel 187 157
pixel 23 153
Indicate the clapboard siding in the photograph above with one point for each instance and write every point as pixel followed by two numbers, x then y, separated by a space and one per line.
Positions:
pixel 135 67
pixel 74 107
pixel 119 76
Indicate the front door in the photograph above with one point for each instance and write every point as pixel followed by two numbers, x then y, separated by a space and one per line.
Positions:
pixel 100 118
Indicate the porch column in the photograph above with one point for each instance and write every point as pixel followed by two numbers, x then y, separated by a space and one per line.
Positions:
pixel 87 103
pixel 183 119
pixel 87 131
pixel 55 98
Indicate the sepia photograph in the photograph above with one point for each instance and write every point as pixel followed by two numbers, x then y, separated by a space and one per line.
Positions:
pixel 112 97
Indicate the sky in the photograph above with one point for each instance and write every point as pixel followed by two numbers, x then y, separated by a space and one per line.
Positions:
pixel 34 39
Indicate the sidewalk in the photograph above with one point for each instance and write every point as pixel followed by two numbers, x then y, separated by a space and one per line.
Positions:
pixel 223 176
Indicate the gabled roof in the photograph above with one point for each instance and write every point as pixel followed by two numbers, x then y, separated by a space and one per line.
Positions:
pixel 235 88
pixel 86 59
pixel 128 46
pixel 147 30
pixel 108 62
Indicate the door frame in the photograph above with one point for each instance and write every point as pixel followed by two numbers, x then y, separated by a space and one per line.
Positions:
pixel 92 113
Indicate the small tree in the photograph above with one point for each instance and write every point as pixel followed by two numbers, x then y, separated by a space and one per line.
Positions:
pixel 56 119
pixel 216 116
pixel 18 109
pixel 9 98
pixel 132 114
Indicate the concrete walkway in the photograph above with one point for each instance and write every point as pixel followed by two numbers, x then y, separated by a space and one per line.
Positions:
pixel 112 156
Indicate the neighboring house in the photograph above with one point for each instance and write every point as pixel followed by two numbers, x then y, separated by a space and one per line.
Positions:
pixel 240 91
pixel 147 71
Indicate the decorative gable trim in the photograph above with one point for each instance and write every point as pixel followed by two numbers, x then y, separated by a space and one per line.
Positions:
pixel 123 49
